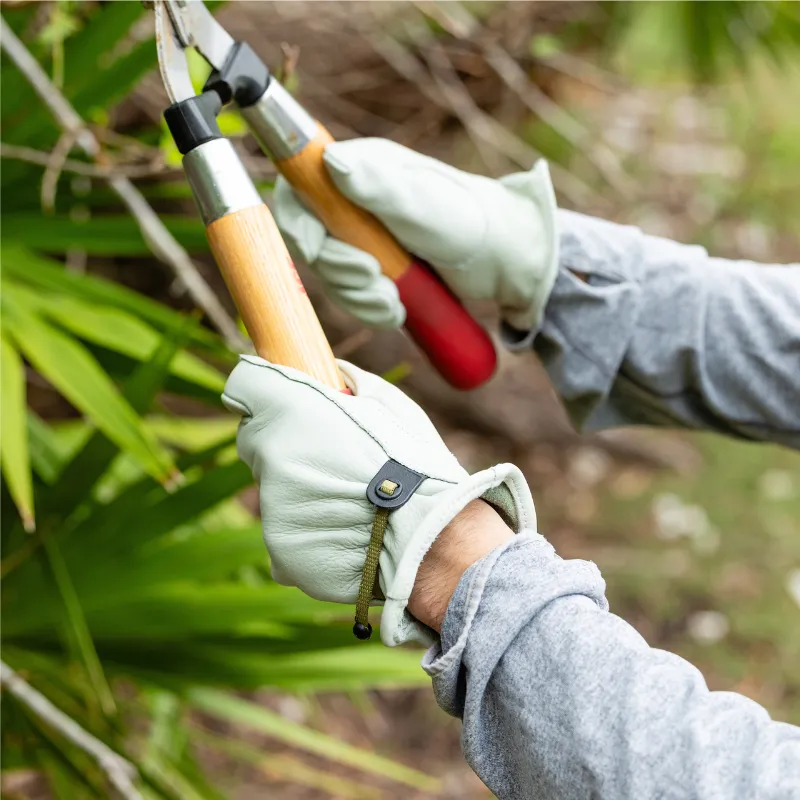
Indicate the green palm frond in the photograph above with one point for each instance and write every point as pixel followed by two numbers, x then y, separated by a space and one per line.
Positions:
pixel 146 583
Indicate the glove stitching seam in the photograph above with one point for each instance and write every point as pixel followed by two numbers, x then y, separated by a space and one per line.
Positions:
pixel 372 436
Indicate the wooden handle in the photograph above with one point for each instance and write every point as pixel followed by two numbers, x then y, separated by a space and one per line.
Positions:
pixel 308 176
pixel 269 294
pixel 455 344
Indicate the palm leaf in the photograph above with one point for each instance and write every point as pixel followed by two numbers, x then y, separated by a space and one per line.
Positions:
pixel 242 712
pixel 118 331
pixel 14 434
pixel 78 630
pixel 34 270
pixel 108 235
pixel 286 768
pixel 90 463
pixel 47 457
pixel 73 371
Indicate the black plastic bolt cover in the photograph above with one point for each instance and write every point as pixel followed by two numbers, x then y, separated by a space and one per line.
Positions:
pixel 193 122
pixel 407 482
pixel 243 78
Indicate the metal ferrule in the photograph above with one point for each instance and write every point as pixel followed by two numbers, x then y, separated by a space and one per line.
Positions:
pixel 281 125
pixel 220 184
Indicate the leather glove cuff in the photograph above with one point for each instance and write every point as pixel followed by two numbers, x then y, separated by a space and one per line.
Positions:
pixel 529 289
pixel 503 486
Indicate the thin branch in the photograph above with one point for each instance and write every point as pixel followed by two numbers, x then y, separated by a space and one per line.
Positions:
pixel 584 71
pixel 353 342
pixel 120 772
pixel 290 55
pixel 487 129
pixel 55 166
pixel 163 244
pixel 454 96
pixel 408 66
pixel 41 158
pixel 460 23
pixel 347 110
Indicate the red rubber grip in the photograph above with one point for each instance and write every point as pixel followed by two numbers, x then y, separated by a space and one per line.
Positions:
pixel 455 344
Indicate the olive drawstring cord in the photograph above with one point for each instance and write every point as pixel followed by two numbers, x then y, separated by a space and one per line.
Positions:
pixel 362 629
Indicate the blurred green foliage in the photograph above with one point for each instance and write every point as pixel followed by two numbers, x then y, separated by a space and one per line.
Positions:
pixel 706 40
pixel 145 583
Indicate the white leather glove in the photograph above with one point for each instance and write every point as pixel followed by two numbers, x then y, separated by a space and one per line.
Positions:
pixel 488 239
pixel 314 451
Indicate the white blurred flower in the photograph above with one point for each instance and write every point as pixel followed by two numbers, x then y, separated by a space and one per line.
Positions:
pixel 676 519
pixel 293 709
pixel 667 510
pixel 776 484
pixel 707 627
pixel 706 541
pixel 588 466
pixel 793 585
pixel 753 240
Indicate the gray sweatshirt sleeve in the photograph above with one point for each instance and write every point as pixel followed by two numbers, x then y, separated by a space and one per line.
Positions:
pixel 663 334
pixel 561 699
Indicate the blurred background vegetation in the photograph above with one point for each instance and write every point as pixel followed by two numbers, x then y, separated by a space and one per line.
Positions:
pixel 136 594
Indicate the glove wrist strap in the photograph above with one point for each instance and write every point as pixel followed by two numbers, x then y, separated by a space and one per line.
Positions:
pixel 391 488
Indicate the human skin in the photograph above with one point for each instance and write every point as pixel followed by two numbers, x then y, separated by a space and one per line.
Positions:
pixel 473 533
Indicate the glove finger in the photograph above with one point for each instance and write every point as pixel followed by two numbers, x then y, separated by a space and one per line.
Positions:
pixel 303 233
pixel 434 209
pixel 352 278
pixel 263 392
pixel 258 388
pixel 369 387
pixel 390 420
pixel 378 306
pixel 346 267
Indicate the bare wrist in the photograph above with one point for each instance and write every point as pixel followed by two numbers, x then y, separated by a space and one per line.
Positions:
pixel 476 531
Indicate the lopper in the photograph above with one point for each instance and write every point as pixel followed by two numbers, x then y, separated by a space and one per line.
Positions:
pixel 241 231
pixel 242 234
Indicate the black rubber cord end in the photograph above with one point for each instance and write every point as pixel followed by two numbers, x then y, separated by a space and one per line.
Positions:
pixel 362 631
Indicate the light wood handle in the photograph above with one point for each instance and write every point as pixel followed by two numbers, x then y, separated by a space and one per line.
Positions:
pixel 308 176
pixel 268 292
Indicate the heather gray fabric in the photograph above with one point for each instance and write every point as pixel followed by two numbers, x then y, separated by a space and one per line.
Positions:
pixel 561 699
pixel 663 334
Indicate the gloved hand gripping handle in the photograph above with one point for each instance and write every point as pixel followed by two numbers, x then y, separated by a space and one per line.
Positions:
pixel 455 344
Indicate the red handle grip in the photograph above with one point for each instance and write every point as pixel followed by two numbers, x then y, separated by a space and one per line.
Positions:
pixel 455 344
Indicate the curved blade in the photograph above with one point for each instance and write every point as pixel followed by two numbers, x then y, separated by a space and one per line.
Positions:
pixel 172 61
pixel 202 31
